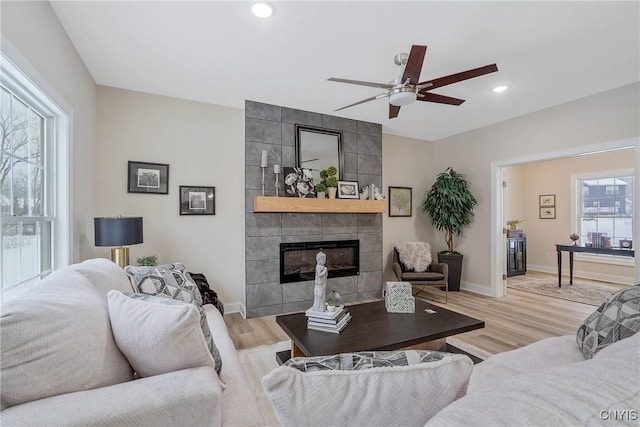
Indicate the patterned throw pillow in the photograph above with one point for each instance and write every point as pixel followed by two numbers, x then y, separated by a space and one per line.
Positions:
pixel 615 319
pixel 169 279
pixel 363 360
pixel 130 320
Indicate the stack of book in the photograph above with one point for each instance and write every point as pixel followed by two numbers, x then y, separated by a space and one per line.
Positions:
pixel 328 321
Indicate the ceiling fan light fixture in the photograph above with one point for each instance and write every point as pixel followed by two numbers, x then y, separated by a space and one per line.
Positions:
pixel 262 9
pixel 402 97
pixel 500 89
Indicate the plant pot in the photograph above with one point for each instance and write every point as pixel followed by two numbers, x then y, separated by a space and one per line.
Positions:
pixel 454 261
pixel 321 195
pixel 332 192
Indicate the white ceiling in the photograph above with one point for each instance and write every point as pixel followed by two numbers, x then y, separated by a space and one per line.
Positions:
pixel 548 53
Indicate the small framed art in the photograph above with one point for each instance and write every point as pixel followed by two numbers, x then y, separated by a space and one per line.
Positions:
pixel 400 201
pixel 548 213
pixel 547 200
pixel 348 190
pixel 197 200
pixel 298 182
pixel 149 178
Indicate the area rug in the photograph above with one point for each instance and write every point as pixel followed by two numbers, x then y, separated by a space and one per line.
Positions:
pixel 585 293
pixel 259 361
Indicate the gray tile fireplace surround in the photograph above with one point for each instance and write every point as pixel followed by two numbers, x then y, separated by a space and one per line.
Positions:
pixel 272 128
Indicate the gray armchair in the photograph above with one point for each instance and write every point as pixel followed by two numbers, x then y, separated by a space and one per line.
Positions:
pixel 436 275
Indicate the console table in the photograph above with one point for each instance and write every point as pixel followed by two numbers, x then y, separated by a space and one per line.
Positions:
pixel 575 248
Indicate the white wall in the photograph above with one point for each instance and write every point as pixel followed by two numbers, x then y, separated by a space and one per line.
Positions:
pixel 36 42
pixel 406 162
pixel 598 119
pixel 203 145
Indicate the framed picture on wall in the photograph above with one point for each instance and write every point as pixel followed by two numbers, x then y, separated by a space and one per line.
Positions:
pixel 148 178
pixel 197 200
pixel 547 200
pixel 400 201
pixel 548 213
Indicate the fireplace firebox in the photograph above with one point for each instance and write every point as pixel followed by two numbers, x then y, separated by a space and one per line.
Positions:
pixel 298 260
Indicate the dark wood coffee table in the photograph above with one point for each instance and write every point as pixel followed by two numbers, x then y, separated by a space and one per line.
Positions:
pixel 372 328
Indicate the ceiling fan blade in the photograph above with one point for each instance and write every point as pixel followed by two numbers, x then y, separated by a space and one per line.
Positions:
pixel 382 95
pixel 458 77
pixel 440 99
pixel 393 111
pixel 414 64
pixel 361 83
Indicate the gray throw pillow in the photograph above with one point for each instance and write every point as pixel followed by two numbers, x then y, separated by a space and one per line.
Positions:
pixel 614 320
pixel 168 279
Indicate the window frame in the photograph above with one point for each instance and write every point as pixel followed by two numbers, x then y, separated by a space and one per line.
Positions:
pixel 56 157
pixel 577 196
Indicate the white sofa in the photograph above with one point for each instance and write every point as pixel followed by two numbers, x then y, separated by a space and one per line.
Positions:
pixel 60 364
pixel 550 383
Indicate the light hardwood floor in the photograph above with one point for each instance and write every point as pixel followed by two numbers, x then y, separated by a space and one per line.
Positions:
pixel 513 321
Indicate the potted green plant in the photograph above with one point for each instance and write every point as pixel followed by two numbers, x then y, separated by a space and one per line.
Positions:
pixel 148 261
pixel 449 204
pixel 330 180
pixel 513 223
pixel 320 190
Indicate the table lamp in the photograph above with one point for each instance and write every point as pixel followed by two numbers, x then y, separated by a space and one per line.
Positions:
pixel 118 231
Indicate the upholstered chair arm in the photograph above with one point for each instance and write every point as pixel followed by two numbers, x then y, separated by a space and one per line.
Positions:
pixel 440 267
pixel 397 270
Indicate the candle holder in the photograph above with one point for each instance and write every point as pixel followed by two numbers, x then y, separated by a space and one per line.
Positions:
pixel 263 182
pixel 276 170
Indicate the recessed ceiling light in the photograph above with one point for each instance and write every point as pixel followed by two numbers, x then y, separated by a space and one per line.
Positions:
pixel 262 9
pixel 500 89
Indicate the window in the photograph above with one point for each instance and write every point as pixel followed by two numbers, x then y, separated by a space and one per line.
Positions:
pixel 31 141
pixel 606 206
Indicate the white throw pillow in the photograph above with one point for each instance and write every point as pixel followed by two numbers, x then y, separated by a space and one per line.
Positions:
pixel 370 395
pixel 157 337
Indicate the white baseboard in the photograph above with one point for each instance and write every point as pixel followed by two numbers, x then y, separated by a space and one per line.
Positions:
pixel 475 288
pixel 583 274
pixel 235 307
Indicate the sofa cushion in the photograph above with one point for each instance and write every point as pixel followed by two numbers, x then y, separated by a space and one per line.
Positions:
pixel 56 337
pixel 158 334
pixel 616 319
pixel 168 279
pixel 583 393
pixel 543 354
pixel 384 388
pixel 415 256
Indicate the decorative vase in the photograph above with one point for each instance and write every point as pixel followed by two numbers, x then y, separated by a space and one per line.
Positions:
pixel 332 192
pixel 321 195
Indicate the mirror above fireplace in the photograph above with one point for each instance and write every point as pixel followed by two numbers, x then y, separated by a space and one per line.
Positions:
pixel 317 149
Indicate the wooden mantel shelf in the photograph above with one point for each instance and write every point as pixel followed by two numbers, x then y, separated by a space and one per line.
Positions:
pixel 302 205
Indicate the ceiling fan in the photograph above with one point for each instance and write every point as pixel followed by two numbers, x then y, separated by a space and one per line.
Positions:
pixel 406 89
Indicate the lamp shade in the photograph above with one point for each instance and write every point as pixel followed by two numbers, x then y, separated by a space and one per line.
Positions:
pixel 118 231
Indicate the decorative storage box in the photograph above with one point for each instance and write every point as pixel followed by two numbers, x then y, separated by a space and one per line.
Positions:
pixel 398 298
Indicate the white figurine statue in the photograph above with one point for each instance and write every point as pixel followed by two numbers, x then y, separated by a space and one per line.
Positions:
pixel 320 283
